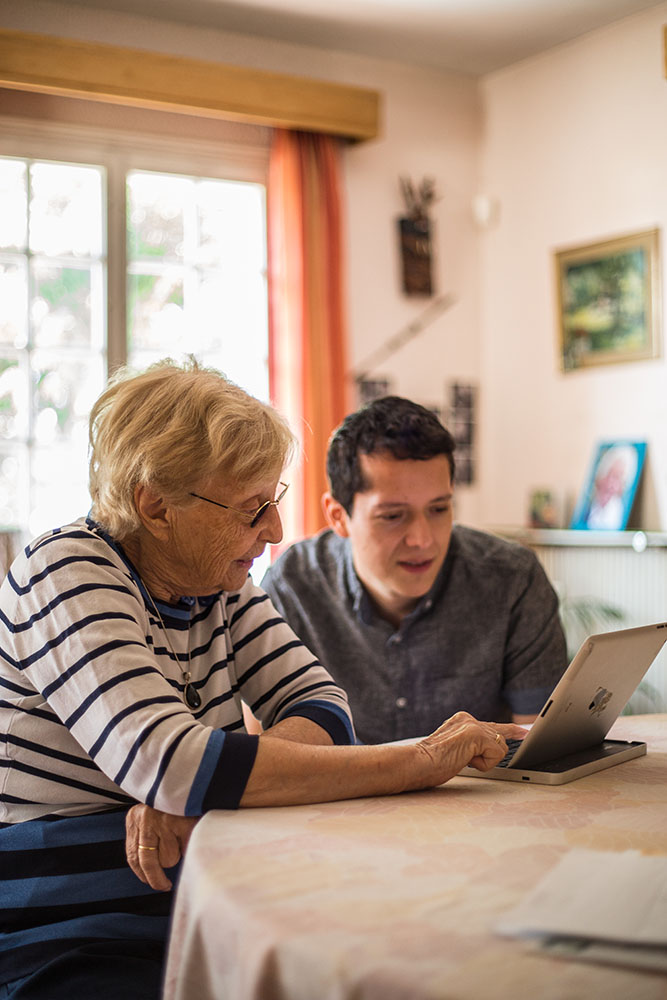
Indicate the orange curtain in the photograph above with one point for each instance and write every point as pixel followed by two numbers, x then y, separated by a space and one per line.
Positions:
pixel 307 338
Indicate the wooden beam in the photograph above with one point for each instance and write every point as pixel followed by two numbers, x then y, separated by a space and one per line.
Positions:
pixel 51 65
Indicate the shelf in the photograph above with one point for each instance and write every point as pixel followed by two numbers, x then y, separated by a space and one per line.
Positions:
pixel 566 537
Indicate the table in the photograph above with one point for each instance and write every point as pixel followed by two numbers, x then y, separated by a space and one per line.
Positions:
pixel 395 898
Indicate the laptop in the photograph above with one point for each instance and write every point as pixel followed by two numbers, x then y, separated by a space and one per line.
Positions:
pixel 567 740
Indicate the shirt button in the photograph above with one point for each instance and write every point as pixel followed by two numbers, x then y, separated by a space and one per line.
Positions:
pixel 395 639
pixel 429 604
pixel 401 702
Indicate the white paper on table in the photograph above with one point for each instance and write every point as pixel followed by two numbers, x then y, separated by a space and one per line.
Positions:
pixel 598 905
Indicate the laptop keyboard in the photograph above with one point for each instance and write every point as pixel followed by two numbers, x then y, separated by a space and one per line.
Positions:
pixel 608 748
pixel 512 747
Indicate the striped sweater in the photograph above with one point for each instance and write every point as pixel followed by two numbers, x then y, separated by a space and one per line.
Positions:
pixel 92 713
pixel 93 719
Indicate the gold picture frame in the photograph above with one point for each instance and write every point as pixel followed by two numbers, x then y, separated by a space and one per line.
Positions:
pixel 608 301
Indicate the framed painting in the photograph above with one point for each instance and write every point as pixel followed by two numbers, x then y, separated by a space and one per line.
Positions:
pixel 608 301
pixel 611 486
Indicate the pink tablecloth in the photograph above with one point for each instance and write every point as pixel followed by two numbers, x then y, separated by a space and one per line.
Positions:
pixel 396 898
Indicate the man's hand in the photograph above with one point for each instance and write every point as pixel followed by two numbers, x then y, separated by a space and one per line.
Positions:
pixel 154 841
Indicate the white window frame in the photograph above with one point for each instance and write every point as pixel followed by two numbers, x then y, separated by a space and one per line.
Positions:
pixel 119 151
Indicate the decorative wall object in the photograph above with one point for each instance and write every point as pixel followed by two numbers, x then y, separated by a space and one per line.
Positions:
pixel 611 485
pixel 461 424
pixel 370 389
pixel 608 301
pixel 415 237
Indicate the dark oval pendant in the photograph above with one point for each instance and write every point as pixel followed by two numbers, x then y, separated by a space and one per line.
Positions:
pixel 192 696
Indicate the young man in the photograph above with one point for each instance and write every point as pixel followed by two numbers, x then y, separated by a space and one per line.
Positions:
pixel 415 617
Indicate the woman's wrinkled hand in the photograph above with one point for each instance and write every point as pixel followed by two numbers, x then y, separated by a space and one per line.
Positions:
pixel 465 741
pixel 154 841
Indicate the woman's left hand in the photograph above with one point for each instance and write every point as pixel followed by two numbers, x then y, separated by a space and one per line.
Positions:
pixel 154 841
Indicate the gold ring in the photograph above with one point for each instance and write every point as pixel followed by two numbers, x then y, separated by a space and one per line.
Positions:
pixel 497 737
pixel 143 847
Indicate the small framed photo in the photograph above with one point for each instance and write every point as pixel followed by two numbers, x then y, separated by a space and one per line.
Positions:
pixel 609 301
pixel 611 486
pixel 543 509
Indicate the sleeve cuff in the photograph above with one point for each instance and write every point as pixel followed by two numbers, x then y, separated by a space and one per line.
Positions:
pixel 231 773
pixel 330 717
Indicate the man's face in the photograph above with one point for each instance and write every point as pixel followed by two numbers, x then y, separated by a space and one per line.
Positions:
pixel 399 528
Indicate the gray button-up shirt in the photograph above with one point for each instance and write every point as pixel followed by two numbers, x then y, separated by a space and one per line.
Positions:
pixel 486 638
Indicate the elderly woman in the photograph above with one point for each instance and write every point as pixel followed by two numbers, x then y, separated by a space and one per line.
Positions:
pixel 131 640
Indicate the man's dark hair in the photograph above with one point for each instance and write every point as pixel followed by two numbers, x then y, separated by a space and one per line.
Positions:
pixel 392 426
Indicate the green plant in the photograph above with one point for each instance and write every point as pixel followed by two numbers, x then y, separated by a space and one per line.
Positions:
pixel 584 616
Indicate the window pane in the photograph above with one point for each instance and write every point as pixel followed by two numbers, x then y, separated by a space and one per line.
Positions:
pixel 52 338
pixel 226 208
pixel 14 302
pixel 207 295
pixel 14 464
pixel 14 400
pixel 65 465
pixel 65 388
pixel 13 202
pixel 155 311
pixel 65 210
pixel 156 206
pixel 61 305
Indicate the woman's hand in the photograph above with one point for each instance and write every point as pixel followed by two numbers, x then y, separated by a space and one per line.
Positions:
pixel 154 841
pixel 462 740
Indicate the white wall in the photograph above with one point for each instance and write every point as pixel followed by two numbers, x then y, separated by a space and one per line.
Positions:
pixel 573 145
pixel 430 127
pixel 575 150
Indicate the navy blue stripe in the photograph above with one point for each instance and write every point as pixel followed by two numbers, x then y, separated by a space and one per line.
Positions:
pixel 215 634
pixel 231 775
pixel 46 751
pixel 128 710
pixel 57 534
pixel 107 686
pixel 253 602
pixel 213 669
pixel 256 632
pixel 138 743
pixel 296 696
pixel 103 793
pixel 129 960
pixel 38 713
pixel 34 834
pixel 164 763
pixel 283 682
pixel 89 657
pixel 54 567
pixel 52 605
pixel 275 654
pixel 328 720
pixel 207 608
pixel 11 686
pixel 214 702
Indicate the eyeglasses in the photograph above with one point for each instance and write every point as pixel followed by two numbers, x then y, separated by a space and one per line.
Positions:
pixel 254 515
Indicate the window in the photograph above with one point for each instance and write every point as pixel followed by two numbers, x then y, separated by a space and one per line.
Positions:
pixel 113 253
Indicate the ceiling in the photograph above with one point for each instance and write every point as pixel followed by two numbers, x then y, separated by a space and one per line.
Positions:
pixel 468 36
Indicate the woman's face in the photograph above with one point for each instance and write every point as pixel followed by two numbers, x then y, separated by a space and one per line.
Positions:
pixel 212 548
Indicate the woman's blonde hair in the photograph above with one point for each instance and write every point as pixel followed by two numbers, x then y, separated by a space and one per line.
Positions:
pixel 171 428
